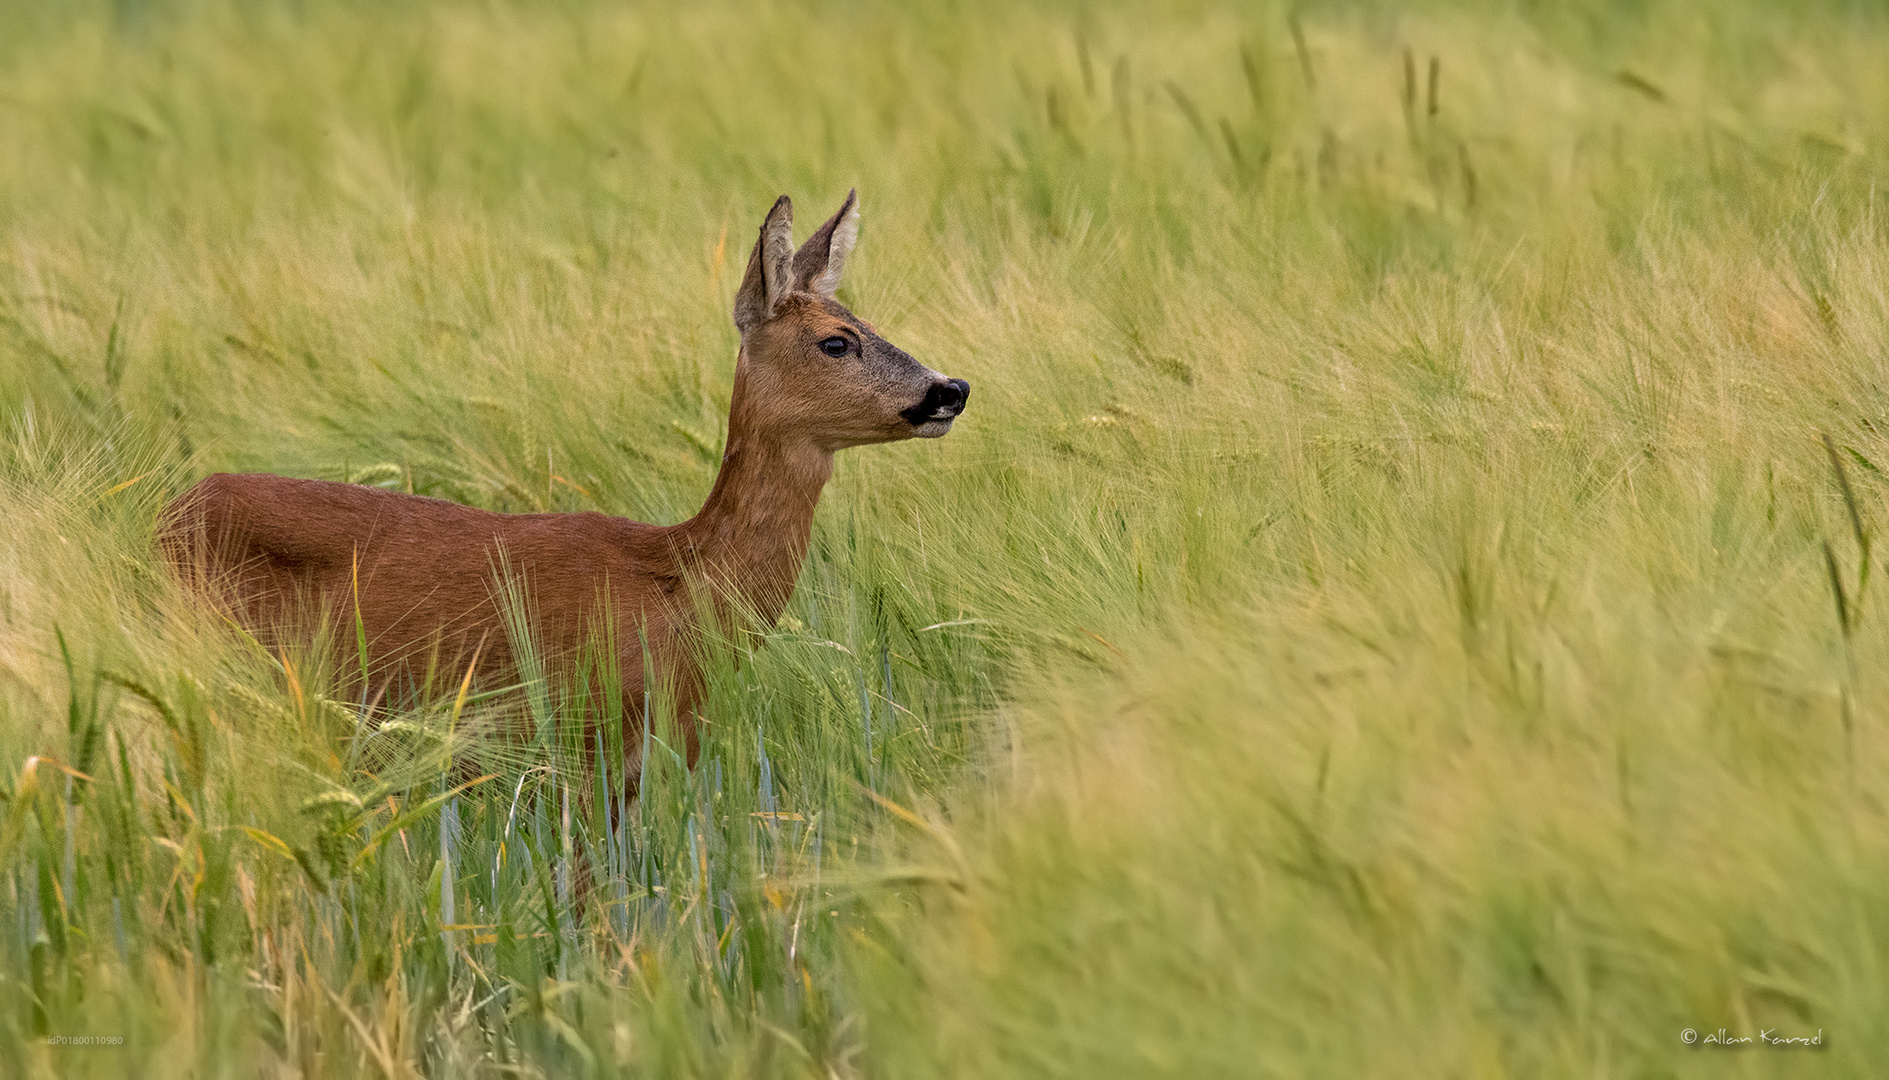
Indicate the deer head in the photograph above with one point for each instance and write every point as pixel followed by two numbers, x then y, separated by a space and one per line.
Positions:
pixel 810 370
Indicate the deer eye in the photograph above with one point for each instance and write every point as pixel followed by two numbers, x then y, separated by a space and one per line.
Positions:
pixel 834 346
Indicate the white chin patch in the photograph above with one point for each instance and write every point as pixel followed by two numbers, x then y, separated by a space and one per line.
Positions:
pixel 931 429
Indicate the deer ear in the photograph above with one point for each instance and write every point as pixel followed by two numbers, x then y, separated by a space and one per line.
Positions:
pixel 818 263
pixel 770 268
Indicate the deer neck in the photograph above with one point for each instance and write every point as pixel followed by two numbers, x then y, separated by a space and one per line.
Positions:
pixel 749 540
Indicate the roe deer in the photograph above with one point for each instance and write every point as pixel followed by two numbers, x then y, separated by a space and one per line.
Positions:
pixel 418 579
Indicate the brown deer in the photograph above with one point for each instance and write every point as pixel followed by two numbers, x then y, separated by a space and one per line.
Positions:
pixel 419 585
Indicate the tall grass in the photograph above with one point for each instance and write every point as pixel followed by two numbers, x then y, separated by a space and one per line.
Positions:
pixel 1400 602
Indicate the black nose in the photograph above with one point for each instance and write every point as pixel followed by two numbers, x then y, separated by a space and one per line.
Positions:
pixel 942 401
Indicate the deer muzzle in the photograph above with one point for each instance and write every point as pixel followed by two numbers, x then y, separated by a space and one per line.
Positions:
pixel 942 403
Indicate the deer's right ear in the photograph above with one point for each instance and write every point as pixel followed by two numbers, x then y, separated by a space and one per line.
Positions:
pixel 770 268
pixel 818 263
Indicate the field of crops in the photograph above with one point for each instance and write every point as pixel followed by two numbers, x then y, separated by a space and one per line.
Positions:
pixel 1400 602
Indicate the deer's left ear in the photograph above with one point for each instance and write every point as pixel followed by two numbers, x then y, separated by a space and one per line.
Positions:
pixel 770 268
pixel 819 262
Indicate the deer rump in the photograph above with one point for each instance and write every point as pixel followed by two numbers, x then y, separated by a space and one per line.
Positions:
pixel 404 595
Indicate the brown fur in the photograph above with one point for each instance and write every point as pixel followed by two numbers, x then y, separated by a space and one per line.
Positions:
pixel 425 577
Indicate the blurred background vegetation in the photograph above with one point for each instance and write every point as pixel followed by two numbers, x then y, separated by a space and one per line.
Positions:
pixel 1399 603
